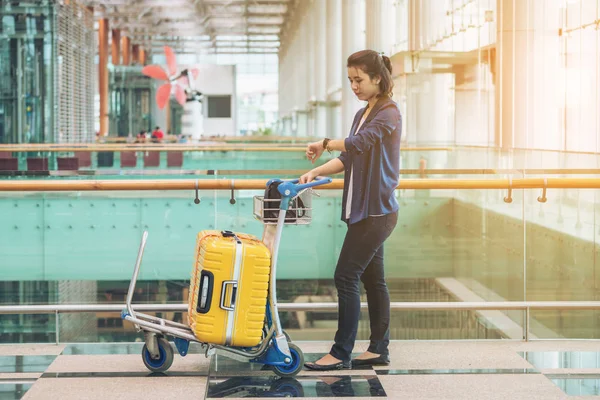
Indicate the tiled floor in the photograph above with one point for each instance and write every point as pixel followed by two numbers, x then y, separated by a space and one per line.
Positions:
pixel 419 370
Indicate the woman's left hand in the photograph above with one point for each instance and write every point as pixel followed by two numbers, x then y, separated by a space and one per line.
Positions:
pixel 308 177
pixel 314 151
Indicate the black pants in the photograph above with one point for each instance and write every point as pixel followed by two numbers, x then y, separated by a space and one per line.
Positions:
pixel 361 259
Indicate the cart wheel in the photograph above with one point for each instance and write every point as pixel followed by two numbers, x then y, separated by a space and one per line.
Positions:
pixel 287 387
pixel 165 359
pixel 296 365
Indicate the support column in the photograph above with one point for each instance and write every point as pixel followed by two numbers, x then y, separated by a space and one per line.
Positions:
pixel 528 50
pixel 428 116
pixel 135 53
pixel 320 68
pixel 116 47
pixel 352 41
pixel 308 65
pixel 126 50
pixel 414 25
pixel 142 56
pixel 334 64
pixel 380 28
pixel 103 74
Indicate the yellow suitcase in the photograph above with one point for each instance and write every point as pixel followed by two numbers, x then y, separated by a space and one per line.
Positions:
pixel 228 288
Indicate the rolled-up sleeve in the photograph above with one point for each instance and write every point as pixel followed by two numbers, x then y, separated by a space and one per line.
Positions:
pixel 384 123
pixel 343 158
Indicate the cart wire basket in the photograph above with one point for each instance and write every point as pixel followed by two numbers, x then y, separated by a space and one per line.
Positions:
pixel 299 211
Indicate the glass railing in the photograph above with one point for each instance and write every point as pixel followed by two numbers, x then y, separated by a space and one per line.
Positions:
pixel 172 159
pixel 450 245
pixel 131 162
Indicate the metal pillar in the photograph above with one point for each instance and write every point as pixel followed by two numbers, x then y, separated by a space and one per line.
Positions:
pixel 135 53
pixel 115 47
pixel 335 64
pixel 380 27
pixel 523 96
pixel 103 74
pixel 352 41
pixel 126 50
pixel 320 69
pixel 142 56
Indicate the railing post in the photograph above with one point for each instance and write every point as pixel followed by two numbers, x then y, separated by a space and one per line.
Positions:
pixel 526 325
pixel 56 330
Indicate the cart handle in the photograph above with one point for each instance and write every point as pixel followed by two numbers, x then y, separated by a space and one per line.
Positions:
pixel 290 189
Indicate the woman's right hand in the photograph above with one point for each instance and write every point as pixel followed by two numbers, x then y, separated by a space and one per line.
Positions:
pixel 314 151
pixel 308 177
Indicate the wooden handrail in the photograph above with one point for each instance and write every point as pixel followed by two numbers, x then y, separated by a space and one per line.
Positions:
pixel 524 149
pixel 287 172
pixel 425 173
pixel 259 184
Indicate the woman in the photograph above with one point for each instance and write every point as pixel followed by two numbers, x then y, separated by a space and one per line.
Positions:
pixel 370 160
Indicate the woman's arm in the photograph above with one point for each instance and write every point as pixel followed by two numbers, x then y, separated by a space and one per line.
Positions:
pixel 331 167
pixel 381 126
pixel 336 145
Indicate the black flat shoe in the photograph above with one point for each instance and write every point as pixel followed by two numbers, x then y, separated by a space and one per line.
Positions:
pixel 383 359
pixel 330 367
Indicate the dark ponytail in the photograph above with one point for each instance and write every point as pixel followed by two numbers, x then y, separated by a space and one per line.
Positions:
pixel 387 63
pixel 374 64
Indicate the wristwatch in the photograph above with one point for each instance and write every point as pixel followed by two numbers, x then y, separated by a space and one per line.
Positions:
pixel 325 143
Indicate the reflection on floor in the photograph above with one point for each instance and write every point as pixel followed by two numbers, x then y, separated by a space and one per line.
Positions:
pixel 14 390
pixel 230 378
pixel 419 370
pixel 322 386
pixel 576 379
pixel 578 387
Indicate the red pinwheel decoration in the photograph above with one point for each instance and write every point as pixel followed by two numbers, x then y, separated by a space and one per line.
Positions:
pixel 177 82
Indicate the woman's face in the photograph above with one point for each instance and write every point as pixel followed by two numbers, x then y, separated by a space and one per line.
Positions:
pixel 363 87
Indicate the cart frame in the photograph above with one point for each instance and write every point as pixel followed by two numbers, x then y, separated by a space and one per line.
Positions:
pixel 274 349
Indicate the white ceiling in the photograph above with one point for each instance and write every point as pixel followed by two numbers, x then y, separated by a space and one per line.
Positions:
pixel 199 26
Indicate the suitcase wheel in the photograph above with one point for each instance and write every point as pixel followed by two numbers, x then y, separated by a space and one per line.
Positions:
pixel 165 359
pixel 295 366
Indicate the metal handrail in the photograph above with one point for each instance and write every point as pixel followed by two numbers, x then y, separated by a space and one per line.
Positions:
pixel 526 306
pixel 259 184
pixel 320 306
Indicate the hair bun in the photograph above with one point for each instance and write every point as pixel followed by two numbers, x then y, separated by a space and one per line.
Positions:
pixel 387 63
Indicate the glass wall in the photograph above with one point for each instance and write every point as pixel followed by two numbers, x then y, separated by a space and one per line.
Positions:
pixel 46 73
pixel 500 73
pixel 27 75
pixel 449 245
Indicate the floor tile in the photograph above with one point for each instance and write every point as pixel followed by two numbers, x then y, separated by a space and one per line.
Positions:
pixel 148 388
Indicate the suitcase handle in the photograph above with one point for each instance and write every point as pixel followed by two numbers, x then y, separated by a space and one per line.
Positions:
pixel 205 292
pixel 231 234
pixel 231 305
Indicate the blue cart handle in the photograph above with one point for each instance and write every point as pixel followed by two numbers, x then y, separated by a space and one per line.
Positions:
pixel 291 188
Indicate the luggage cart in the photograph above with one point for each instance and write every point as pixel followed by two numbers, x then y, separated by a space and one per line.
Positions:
pixel 275 349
